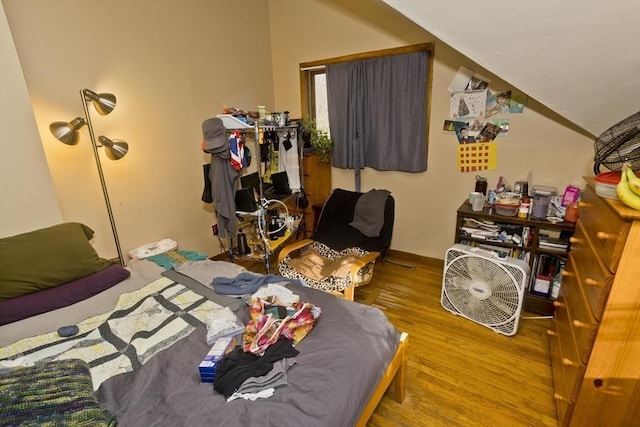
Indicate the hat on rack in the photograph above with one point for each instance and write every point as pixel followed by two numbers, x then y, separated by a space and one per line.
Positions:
pixel 214 132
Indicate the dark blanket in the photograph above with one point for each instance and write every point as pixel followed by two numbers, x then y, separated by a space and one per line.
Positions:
pixel 55 394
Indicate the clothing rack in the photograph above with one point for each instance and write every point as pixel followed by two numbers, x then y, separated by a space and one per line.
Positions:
pixel 233 124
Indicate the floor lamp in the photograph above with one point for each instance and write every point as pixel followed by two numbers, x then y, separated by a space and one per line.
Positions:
pixel 67 133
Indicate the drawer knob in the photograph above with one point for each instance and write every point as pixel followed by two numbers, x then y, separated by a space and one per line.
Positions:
pixel 566 273
pixel 602 235
pixel 551 333
pixel 579 324
pixel 558 396
pixel 558 304
pixel 591 282
pixel 567 362
pixel 573 239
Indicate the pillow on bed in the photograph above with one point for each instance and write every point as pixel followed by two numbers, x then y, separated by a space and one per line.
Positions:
pixel 45 258
pixel 19 308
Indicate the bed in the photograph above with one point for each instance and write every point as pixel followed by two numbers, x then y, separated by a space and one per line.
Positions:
pixel 143 368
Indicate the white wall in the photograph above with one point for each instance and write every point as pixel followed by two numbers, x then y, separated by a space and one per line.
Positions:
pixel 27 197
pixel 171 64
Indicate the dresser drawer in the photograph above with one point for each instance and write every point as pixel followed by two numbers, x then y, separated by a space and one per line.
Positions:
pixel 560 395
pixel 607 232
pixel 596 279
pixel 572 367
pixel 583 325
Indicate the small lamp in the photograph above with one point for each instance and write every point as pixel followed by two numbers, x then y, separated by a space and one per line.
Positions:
pixel 116 149
pixel 103 102
pixel 67 132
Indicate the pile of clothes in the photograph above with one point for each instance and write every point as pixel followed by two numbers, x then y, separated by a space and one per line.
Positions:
pixel 279 321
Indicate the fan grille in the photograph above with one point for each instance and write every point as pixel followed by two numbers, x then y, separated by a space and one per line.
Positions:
pixel 618 145
pixel 484 290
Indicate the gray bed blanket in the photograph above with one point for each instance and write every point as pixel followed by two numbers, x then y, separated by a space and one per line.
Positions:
pixel 340 363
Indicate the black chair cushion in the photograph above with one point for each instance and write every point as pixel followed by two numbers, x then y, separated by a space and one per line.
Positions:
pixel 333 227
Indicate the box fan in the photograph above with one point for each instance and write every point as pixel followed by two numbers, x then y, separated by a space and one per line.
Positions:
pixel 484 287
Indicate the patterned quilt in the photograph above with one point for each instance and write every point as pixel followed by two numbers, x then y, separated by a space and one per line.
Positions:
pixel 143 323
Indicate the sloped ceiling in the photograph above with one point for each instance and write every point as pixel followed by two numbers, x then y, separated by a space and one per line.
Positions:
pixel 580 58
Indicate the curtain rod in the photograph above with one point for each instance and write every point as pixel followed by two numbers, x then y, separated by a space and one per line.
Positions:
pixel 316 67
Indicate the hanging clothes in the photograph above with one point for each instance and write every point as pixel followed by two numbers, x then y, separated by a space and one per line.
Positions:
pixel 223 176
pixel 288 157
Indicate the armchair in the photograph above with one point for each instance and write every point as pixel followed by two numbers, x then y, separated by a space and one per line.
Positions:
pixel 351 234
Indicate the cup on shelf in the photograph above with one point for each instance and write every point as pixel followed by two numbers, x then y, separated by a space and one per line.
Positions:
pixel 476 199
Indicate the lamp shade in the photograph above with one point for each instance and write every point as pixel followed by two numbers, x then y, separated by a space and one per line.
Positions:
pixel 67 132
pixel 115 149
pixel 103 102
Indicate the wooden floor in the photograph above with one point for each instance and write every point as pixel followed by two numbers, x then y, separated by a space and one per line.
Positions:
pixel 459 373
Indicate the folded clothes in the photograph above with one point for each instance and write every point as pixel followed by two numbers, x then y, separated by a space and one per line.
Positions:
pixel 171 258
pixel 221 322
pixel 246 283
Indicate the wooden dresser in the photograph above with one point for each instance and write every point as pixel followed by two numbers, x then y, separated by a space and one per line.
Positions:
pixel 595 340
pixel 317 184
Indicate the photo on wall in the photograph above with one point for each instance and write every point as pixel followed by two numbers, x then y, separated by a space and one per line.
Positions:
pixel 468 104
pixel 462 132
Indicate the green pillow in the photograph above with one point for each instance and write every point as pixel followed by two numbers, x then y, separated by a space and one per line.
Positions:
pixel 45 258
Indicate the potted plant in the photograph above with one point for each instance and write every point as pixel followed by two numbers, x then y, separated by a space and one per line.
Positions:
pixel 319 139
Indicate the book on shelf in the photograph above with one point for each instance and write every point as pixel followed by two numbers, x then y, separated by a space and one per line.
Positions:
pixel 486 225
pixel 545 267
pixel 502 252
pixel 541 285
pixel 553 243
pixel 553 234
pixel 492 232
pixel 479 232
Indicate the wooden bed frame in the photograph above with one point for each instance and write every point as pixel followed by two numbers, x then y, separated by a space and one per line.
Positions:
pixel 397 371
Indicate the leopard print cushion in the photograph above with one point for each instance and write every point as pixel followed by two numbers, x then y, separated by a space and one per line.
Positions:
pixel 331 283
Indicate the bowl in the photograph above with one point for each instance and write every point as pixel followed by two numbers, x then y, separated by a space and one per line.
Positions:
pixel 606 184
pixel 507 209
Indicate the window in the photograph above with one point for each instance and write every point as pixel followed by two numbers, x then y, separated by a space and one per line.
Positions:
pixel 385 145
pixel 314 98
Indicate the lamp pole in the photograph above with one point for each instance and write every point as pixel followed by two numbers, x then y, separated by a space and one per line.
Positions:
pixel 94 145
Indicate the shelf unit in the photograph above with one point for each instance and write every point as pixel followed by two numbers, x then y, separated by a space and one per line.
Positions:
pixel 269 247
pixel 534 303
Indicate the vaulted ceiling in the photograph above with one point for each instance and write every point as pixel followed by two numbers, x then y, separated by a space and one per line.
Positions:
pixel 580 58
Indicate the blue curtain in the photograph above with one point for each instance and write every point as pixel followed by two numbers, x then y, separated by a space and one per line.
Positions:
pixel 378 113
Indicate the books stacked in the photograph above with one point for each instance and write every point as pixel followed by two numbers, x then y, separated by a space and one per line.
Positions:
pixel 491 232
pixel 546 267
pixel 480 229
pixel 553 239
